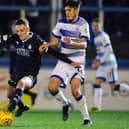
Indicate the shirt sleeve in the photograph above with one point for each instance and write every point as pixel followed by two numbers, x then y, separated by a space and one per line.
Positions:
pixel 56 31
pixel 40 41
pixel 3 45
pixel 2 41
pixel 85 31
pixel 105 50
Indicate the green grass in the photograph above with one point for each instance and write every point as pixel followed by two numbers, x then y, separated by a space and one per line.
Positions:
pixel 52 120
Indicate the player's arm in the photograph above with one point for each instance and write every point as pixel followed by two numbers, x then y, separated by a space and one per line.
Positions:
pixel 3 39
pixel 3 45
pixel 102 55
pixel 84 36
pixel 54 41
pixel 57 54
pixel 106 53
pixel 62 57
pixel 78 45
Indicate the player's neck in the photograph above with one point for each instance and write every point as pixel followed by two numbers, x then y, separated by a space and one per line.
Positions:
pixel 28 36
pixel 74 20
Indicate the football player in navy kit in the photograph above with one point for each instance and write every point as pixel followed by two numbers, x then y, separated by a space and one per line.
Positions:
pixel 12 62
pixel 25 44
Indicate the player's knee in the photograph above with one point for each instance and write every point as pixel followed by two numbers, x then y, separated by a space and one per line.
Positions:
pixel 25 82
pixel 52 89
pixel 21 84
pixel 75 94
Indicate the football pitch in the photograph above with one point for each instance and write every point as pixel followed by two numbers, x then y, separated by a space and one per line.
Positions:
pixel 39 119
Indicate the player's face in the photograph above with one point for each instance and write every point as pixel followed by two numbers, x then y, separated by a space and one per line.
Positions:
pixel 22 31
pixel 71 13
pixel 96 27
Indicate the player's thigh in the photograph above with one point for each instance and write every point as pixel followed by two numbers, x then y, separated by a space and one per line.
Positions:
pixel 77 73
pixel 10 91
pixel 59 75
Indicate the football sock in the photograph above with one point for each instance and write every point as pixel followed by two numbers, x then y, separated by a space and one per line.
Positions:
pixel 124 87
pixel 97 96
pixel 28 92
pixel 81 101
pixel 17 95
pixel 20 103
pixel 60 97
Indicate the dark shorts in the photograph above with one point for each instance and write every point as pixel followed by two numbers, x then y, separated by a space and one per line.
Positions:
pixel 13 82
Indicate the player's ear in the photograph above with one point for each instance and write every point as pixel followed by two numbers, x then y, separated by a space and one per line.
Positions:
pixel 77 10
pixel 28 28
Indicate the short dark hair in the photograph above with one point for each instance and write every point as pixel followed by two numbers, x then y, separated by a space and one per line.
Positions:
pixel 22 21
pixel 96 20
pixel 73 3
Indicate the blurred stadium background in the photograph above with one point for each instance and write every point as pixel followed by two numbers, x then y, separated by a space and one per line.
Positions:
pixel 42 15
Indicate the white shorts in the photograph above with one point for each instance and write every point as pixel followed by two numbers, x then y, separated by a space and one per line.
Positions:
pixel 65 72
pixel 29 81
pixel 109 74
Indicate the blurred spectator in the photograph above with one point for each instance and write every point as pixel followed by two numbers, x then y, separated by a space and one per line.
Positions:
pixel 33 15
pixel 4 16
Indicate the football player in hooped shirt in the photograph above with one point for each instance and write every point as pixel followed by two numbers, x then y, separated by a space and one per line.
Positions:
pixel 106 65
pixel 26 44
pixel 72 32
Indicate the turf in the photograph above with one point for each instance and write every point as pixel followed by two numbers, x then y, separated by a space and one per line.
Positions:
pixel 52 120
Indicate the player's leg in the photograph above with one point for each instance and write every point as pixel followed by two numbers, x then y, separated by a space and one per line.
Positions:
pixel 21 108
pixel 59 77
pixel 33 95
pixel 81 100
pixel 115 85
pixel 124 87
pixel 26 81
pixel 53 88
pixel 11 90
pixel 30 82
pixel 97 95
pixel 100 78
pixel 27 91
pixel 15 98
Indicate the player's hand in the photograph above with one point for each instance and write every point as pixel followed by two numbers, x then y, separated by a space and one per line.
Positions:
pixel 96 64
pixel 76 64
pixel 43 47
pixel 67 40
